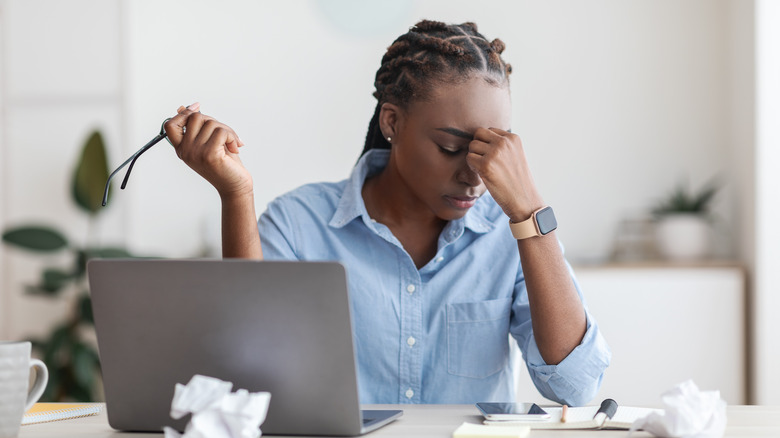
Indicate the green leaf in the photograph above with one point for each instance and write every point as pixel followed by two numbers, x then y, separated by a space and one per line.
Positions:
pixel 683 200
pixel 80 393
pixel 85 309
pixel 73 366
pixel 52 388
pixel 38 290
pixel 56 360
pixel 53 280
pixel 35 238
pixel 702 201
pixel 56 348
pixel 91 174
pixel 80 267
pixel 107 253
pixel 83 366
pixel 96 360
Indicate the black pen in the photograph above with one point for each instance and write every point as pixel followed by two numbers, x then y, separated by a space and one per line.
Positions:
pixel 607 410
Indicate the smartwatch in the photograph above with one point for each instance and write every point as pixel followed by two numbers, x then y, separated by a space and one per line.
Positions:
pixel 541 222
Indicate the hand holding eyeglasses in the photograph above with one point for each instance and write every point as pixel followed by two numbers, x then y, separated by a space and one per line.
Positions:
pixel 207 146
pixel 210 148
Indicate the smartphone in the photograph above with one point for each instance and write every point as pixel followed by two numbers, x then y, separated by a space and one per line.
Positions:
pixel 513 411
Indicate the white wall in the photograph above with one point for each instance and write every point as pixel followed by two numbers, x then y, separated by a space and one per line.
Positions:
pixel 61 79
pixel 741 129
pixel 615 101
pixel 767 280
pixel 4 325
pixel 742 110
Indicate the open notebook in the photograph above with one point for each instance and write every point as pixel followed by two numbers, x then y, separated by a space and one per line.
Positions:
pixel 583 418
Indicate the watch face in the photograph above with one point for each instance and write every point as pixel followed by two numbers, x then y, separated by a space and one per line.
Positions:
pixel 545 219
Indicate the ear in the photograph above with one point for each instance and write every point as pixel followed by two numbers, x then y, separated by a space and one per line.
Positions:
pixel 389 117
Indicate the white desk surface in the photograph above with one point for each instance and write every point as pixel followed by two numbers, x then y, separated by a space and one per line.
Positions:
pixel 432 421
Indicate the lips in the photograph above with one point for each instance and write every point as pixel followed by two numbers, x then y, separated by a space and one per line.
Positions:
pixel 462 202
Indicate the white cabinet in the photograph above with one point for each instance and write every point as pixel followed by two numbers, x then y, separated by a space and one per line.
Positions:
pixel 665 325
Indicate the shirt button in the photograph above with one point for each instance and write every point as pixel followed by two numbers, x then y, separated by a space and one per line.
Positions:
pixel 409 393
pixel 439 259
pixel 411 341
pixel 373 220
pixel 410 288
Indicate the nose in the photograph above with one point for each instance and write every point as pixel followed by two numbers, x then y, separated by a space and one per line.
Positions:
pixel 466 175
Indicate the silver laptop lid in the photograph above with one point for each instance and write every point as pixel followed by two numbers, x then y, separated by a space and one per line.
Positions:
pixel 282 327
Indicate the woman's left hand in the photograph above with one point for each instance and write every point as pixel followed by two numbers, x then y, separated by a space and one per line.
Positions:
pixel 498 157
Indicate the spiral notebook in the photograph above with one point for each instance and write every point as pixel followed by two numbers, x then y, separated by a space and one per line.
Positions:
pixel 45 412
pixel 583 418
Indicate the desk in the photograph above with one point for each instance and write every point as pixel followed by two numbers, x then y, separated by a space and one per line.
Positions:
pixel 432 421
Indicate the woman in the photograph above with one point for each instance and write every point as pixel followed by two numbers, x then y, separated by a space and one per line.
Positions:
pixel 437 279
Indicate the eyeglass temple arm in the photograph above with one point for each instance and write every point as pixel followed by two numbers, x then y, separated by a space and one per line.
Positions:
pixel 130 161
pixel 138 154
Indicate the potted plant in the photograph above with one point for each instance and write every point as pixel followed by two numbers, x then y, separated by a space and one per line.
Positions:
pixel 72 360
pixel 683 223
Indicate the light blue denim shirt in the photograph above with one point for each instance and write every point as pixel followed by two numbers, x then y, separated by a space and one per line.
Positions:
pixel 438 334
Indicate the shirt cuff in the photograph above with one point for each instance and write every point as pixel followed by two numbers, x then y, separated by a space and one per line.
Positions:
pixel 577 378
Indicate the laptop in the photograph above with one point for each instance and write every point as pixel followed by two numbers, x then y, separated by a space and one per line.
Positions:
pixel 281 327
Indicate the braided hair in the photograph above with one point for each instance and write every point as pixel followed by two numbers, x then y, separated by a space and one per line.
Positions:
pixel 432 52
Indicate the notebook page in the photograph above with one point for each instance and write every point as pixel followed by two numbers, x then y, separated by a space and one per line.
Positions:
pixel 626 415
pixel 582 414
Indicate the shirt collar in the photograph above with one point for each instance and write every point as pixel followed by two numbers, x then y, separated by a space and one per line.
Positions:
pixel 351 205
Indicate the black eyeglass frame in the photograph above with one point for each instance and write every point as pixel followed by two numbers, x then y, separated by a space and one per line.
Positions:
pixel 132 160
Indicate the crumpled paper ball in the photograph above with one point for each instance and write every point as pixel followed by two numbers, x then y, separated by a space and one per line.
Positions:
pixel 688 413
pixel 216 412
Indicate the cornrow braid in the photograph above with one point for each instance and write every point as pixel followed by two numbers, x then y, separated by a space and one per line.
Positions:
pixel 432 52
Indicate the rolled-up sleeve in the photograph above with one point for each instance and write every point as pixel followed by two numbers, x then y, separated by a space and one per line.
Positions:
pixel 577 378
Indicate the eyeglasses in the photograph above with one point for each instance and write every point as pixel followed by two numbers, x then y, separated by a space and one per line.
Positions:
pixel 132 160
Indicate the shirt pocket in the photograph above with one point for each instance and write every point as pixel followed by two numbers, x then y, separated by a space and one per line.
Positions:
pixel 477 340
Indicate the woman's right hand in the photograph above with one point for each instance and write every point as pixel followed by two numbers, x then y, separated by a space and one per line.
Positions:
pixel 210 148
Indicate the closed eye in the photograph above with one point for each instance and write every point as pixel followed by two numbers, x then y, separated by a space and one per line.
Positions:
pixel 449 151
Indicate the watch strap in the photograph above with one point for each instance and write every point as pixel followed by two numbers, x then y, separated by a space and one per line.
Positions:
pixel 525 229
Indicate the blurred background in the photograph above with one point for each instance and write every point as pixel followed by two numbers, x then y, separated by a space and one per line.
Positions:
pixel 618 104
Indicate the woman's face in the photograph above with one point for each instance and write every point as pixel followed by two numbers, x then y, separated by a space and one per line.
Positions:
pixel 431 141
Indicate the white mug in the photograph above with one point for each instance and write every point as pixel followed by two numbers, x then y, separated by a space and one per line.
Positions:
pixel 15 396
